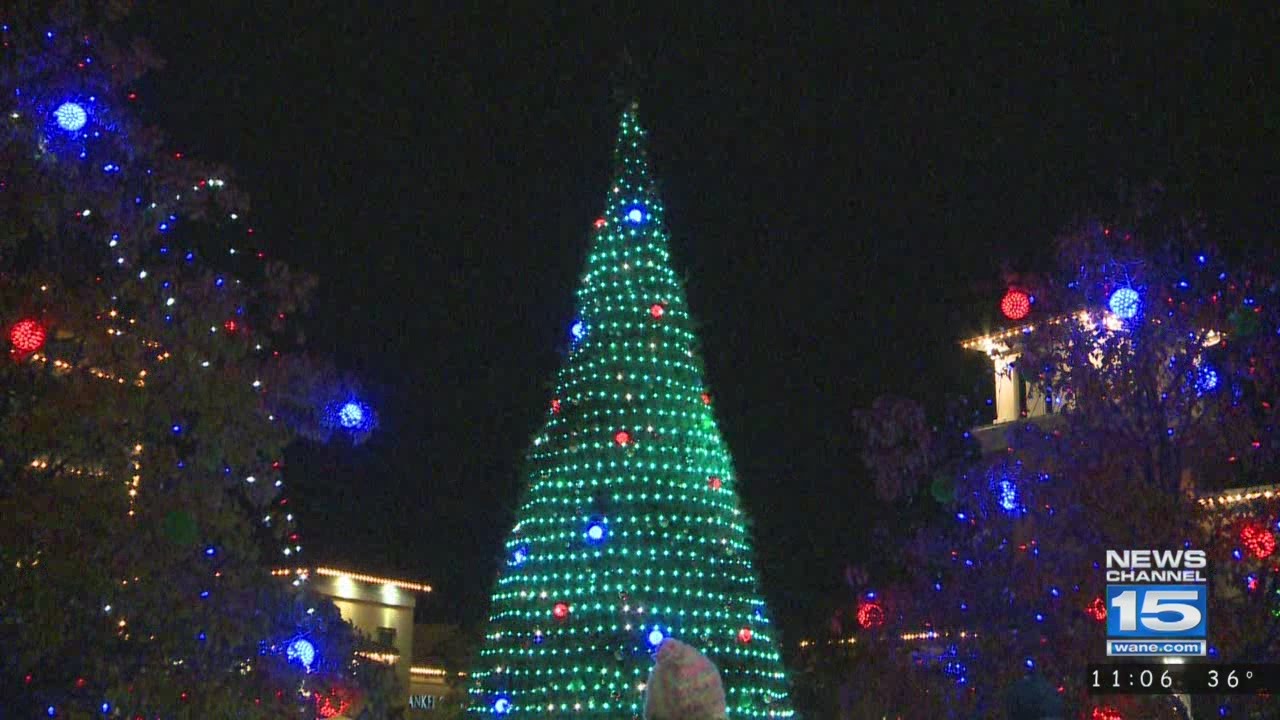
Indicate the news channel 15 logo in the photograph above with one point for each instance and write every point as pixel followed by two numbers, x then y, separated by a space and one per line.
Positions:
pixel 1157 603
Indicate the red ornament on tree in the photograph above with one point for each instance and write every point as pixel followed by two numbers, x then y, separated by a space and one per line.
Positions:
pixel 1258 540
pixel 555 406
pixel 332 704
pixel 657 310
pixel 1097 610
pixel 1106 712
pixel 600 222
pixel 230 326
pixel 715 483
pixel 27 336
pixel 706 398
pixel 744 635
pixel 1015 304
pixel 622 438
pixel 560 610
pixel 870 614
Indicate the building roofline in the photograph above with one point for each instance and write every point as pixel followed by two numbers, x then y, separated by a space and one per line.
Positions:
pixel 406 585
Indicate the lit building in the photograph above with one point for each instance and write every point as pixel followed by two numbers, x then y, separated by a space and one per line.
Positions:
pixel 381 608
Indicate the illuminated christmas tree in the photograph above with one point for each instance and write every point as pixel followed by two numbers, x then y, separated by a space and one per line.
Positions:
pixel 151 386
pixel 631 530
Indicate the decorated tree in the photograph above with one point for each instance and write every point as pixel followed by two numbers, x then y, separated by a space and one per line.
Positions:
pixel 631 530
pixel 1157 352
pixel 151 384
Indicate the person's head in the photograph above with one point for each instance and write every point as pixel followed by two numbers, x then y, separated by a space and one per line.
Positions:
pixel 683 685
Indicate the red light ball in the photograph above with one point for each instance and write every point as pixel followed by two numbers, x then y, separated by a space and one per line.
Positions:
pixel 1106 712
pixel 600 222
pixel 657 310
pixel 1015 305
pixel 715 483
pixel 745 635
pixel 560 611
pixel 706 398
pixel 230 325
pixel 555 406
pixel 27 336
pixel 1258 540
pixel 622 438
pixel 870 614
pixel 1097 610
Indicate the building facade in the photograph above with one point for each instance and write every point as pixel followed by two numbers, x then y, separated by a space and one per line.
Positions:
pixel 381 608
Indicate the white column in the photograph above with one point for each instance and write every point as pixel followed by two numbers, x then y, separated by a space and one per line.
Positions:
pixel 1008 388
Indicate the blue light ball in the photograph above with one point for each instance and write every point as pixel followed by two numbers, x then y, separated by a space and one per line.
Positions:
pixel 351 415
pixel 595 532
pixel 656 637
pixel 105 708
pixel 51 711
pixel 502 706
pixel 71 116
pixel 578 330
pixel 636 215
pixel 301 650
pixel 1124 303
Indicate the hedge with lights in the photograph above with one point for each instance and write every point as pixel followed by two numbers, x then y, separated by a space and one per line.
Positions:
pixel 631 530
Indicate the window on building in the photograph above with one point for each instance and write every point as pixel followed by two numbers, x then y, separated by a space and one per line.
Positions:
pixel 386 636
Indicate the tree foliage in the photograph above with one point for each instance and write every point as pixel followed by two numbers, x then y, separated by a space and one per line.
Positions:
pixel 1151 413
pixel 140 443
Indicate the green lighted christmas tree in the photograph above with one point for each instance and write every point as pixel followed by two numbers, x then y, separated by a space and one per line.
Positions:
pixel 631 530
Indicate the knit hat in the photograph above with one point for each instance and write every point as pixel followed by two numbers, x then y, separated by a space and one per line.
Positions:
pixel 683 685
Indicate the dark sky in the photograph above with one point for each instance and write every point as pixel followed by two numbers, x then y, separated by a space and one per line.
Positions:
pixel 843 192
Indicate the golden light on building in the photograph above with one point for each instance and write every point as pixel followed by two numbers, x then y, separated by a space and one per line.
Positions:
pixel 361 577
pixel 1235 497
pixel 385 658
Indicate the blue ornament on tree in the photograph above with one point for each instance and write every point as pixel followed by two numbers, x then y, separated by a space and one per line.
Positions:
pixel 302 651
pixel 71 116
pixel 1125 303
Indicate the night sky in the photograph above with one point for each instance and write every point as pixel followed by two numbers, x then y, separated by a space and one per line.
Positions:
pixel 843 193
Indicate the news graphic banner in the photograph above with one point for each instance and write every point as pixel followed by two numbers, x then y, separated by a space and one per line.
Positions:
pixel 1182 679
pixel 1157 603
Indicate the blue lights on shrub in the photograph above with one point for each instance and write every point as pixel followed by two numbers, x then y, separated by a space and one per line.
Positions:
pixel 71 116
pixel 502 705
pixel 1206 379
pixel 303 651
pixel 1124 303
pixel 1007 494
